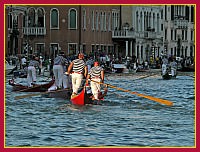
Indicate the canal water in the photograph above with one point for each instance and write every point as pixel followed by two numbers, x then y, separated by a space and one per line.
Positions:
pixel 123 119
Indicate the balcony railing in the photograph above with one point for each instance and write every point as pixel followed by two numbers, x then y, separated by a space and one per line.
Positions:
pixel 180 23
pixel 34 31
pixel 133 34
pixel 123 34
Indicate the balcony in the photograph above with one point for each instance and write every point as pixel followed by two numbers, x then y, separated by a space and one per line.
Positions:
pixel 150 35
pixel 34 30
pixel 123 34
pixel 180 24
pixel 133 34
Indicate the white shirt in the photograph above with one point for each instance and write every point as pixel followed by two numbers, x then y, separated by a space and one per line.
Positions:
pixel 23 61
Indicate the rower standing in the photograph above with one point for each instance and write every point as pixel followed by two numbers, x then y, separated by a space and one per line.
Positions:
pixel 58 70
pixel 164 65
pixel 78 68
pixel 31 76
pixel 173 65
pixel 96 75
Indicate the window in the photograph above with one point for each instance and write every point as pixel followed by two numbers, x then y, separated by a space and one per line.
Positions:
pixel 105 21
pixel 92 20
pixel 109 21
pixel 72 49
pixel 175 34
pixel 182 34
pixel 115 19
pixel 40 48
pixel 40 17
pixel 53 50
pixel 31 17
pixel 101 21
pixel 9 21
pixel 72 19
pixel 186 34
pixel 93 48
pixel 137 21
pixel 165 34
pixel 192 14
pixel 191 36
pixel 54 18
pixel 84 19
pixel 171 34
pixel 97 21
pixel 158 22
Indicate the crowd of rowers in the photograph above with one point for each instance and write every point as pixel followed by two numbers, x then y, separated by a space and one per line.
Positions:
pixel 70 74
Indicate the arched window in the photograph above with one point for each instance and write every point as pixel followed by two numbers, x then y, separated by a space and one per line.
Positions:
pixel 31 17
pixel 54 18
pixel 105 21
pixel 137 21
pixel 84 19
pixel 97 21
pixel 40 17
pixel 158 23
pixel 93 21
pixel 72 19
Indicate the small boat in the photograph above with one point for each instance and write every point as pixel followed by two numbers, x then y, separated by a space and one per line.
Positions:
pixel 168 76
pixel 190 68
pixel 84 98
pixel 35 88
pixel 119 68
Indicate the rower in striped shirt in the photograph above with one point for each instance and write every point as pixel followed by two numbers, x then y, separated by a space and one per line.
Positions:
pixel 96 75
pixel 78 70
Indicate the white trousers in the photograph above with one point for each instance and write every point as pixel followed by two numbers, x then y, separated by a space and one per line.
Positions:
pixel 66 81
pixel 95 87
pixel 164 69
pixel 173 71
pixel 31 76
pixel 58 74
pixel 76 81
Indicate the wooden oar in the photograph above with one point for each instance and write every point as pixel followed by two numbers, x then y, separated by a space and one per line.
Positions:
pixel 162 101
pixel 37 94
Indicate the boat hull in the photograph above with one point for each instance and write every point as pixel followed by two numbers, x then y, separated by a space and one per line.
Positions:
pixel 168 76
pixel 84 98
pixel 81 99
pixel 35 88
pixel 64 94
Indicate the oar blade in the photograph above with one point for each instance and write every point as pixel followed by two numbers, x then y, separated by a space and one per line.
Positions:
pixel 162 101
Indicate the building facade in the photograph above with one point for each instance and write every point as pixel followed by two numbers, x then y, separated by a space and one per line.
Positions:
pixel 49 29
pixel 149 31
pixel 179 30
pixel 141 31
